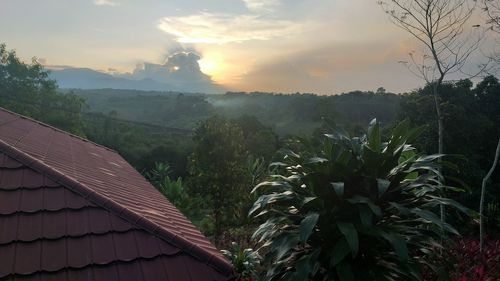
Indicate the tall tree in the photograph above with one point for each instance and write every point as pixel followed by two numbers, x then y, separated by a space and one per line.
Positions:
pixel 441 27
pixel 218 171
pixel 27 89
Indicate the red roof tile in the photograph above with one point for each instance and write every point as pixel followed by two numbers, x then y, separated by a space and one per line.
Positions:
pixel 73 210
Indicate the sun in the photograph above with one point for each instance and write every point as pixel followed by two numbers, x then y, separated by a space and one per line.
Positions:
pixel 213 64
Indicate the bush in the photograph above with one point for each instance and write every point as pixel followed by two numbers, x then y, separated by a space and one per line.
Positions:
pixel 359 209
pixel 462 261
pixel 244 261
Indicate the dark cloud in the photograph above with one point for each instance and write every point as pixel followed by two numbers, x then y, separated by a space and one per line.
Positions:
pixel 181 69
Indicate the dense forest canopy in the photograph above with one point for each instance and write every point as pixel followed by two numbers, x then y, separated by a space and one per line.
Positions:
pixel 292 114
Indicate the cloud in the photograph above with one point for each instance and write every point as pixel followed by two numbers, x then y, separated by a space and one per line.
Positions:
pixel 105 3
pixel 42 61
pixel 333 68
pixel 222 28
pixel 261 5
pixel 179 67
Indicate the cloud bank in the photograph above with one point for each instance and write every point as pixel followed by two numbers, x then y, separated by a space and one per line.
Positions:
pixel 223 28
pixel 261 5
pixel 105 3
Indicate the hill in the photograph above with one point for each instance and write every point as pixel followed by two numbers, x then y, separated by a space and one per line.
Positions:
pixel 293 114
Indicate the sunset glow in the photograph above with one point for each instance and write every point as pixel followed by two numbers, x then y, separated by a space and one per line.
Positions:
pixel 321 46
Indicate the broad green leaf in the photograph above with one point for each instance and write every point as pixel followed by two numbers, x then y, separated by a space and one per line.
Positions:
pixel 382 186
pixel 315 160
pixel 450 202
pixel 345 272
pixel 284 245
pixel 433 218
pixel 289 153
pixel 339 188
pixel 351 235
pixel 374 138
pixel 307 225
pixel 340 251
pixel 401 128
pixel 302 270
pixel 399 245
pixel 365 215
pixel 415 133
pixel 344 157
pixel 364 200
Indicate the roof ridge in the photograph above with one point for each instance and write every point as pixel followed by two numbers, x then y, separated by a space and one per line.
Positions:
pixel 55 129
pixel 182 243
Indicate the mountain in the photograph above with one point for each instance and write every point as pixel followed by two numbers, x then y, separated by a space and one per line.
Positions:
pixel 85 78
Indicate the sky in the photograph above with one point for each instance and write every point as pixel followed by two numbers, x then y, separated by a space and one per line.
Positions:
pixel 315 46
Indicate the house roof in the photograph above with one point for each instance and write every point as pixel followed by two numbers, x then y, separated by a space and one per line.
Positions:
pixel 73 210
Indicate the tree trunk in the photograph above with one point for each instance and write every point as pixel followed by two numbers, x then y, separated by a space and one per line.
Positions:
pixel 481 203
pixel 217 227
pixel 439 118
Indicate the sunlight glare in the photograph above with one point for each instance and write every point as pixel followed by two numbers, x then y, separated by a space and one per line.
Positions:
pixel 213 64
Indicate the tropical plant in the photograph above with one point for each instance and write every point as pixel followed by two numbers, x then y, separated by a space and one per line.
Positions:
pixel 160 178
pixel 358 209
pixel 244 261
pixel 176 193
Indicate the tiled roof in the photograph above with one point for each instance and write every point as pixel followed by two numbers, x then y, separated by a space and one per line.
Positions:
pixel 73 210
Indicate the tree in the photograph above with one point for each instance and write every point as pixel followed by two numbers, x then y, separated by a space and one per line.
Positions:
pixel 218 171
pixel 492 10
pixel 441 27
pixel 471 116
pixel 357 209
pixel 27 89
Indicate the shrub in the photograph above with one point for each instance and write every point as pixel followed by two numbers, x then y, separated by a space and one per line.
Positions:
pixel 359 209
pixel 244 261
pixel 462 261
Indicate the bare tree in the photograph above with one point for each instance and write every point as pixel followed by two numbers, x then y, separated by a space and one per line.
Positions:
pixel 442 28
pixel 492 10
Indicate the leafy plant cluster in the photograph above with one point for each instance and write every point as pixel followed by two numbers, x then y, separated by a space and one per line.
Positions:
pixel 359 209
pixel 245 262
pixel 462 261
pixel 174 190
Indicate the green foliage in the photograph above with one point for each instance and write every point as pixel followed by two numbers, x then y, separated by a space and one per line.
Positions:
pixel 259 139
pixel 358 209
pixel 26 89
pixel 244 261
pixel 471 118
pixel 256 167
pixel 160 177
pixel 174 190
pixel 286 114
pixel 217 170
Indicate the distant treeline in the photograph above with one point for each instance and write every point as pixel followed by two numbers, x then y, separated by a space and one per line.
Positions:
pixel 288 114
